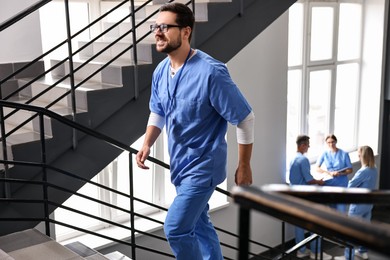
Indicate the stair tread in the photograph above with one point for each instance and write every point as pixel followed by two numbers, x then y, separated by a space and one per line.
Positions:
pixel 57 108
pixel 104 60
pixel 23 137
pixel 65 83
pixel 85 251
pixel 5 256
pixel 32 244
pixel 46 250
pixel 21 239
pixel 117 256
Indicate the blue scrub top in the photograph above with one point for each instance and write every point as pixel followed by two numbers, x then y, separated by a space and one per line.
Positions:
pixel 197 104
pixel 335 162
pixel 300 170
pixel 365 177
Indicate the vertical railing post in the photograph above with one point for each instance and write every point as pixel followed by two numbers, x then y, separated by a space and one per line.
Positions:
pixel 71 72
pixel 44 173
pixel 131 178
pixel 7 192
pixel 243 242
pixel 193 38
pixel 283 239
pixel 135 55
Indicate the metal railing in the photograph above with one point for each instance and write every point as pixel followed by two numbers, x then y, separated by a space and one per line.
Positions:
pixel 300 206
pixel 47 187
pixel 41 112
pixel 72 53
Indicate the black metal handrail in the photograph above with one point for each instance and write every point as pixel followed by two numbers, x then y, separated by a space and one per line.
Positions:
pixel 295 205
pixel 4 25
pixel 73 71
pixel 47 185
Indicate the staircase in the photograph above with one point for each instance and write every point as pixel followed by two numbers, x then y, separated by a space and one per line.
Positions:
pixel 33 245
pixel 106 98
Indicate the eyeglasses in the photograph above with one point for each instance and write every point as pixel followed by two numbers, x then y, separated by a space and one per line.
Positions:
pixel 162 27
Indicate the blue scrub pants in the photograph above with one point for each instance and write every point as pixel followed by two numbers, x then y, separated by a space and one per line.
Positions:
pixel 300 235
pixel 188 229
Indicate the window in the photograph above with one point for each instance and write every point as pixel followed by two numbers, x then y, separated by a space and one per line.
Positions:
pixel 324 71
pixel 151 185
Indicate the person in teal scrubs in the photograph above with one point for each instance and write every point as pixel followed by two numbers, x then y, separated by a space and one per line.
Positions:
pixel 194 98
pixel 338 166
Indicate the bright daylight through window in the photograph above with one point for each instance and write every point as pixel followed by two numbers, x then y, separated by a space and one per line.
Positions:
pixel 324 66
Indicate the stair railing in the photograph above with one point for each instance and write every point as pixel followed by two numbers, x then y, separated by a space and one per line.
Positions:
pixel 300 206
pixel 50 204
pixel 71 54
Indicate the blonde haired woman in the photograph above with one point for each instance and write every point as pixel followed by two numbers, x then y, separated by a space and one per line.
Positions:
pixel 365 177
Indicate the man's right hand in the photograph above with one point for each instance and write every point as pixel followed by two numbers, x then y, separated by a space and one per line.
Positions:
pixel 141 157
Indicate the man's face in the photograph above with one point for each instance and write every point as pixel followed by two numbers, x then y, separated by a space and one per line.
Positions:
pixel 170 40
pixel 306 147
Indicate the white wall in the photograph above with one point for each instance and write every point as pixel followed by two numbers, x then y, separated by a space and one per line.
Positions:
pixel 20 42
pixel 260 70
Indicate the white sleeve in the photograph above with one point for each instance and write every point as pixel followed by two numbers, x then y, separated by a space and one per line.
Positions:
pixel 156 120
pixel 245 130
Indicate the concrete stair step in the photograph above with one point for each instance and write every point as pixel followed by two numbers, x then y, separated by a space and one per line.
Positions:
pixel 16 117
pixel 144 51
pixel 109 75
pixel 116 256
pixel 122 11
pixel 20 116
pixel 85 251
pixel 33 245
pixel 125 27
pixel 64 105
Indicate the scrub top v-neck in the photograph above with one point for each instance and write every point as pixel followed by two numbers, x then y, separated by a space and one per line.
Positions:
pixel 196 112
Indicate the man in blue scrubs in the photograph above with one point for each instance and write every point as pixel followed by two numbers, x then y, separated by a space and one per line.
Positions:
pixel 300 175
pixel 194 97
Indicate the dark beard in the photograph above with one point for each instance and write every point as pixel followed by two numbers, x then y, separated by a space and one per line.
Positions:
pixel 171 47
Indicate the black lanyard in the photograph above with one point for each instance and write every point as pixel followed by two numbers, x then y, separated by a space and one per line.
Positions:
pixel 178 78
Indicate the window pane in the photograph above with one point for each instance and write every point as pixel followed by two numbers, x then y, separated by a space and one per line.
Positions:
pixel 295 35
pixel 349 31
pixel 319 89
pixel 346 108
pixel 75 219
pixel 293 109
pixel 143 185
pixel 321 44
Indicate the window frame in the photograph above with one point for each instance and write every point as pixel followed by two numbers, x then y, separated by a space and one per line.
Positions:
pixel 307 66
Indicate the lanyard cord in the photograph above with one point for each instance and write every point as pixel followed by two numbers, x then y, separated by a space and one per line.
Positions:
pixel 178 77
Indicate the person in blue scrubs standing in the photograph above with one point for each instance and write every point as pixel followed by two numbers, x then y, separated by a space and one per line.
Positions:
pixel 300 175
pixel 365 177
pixel 194 98
pixel 338 166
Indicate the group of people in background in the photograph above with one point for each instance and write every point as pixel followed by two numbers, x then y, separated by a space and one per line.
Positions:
pixel 335 165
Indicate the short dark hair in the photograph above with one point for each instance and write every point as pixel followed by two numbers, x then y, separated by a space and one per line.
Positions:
pixel 184 15
pixel 302 139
